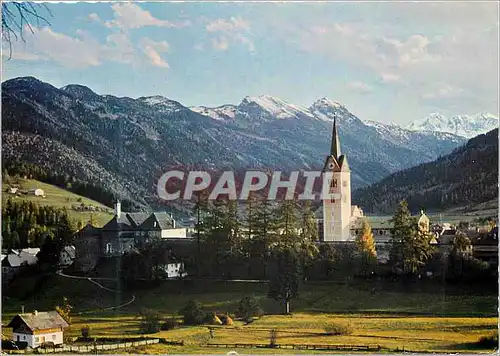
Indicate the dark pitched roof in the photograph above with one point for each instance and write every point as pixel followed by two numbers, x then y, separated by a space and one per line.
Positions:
pixel 344 166
pixel 39 321
pixel 137 218
pixel 118 224
pixel 89 230
pixel 335 149
pixel 331 164
pixel 158 221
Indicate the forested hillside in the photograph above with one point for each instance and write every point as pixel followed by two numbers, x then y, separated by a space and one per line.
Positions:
pixel 466 177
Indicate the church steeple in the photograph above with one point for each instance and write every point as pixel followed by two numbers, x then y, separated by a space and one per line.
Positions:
pixel 335 150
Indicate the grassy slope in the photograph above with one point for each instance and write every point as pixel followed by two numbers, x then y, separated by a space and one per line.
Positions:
pixel 425 318
pixel 60 198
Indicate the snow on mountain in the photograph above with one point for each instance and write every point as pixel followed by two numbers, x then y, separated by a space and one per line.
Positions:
pixel 467 126
pixel 222 113
pixel 273 106
pixel 159 101
pixel 326 109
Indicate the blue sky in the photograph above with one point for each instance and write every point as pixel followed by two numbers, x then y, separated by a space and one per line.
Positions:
pixel 390 62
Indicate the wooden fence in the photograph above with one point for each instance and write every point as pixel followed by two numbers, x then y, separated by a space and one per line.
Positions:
pixel 300 347
pixel 87 348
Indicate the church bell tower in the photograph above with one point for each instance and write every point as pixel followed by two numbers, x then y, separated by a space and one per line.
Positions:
pixel 337 201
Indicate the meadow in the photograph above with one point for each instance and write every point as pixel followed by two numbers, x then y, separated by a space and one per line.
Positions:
pixel 60 198
pixel 416 317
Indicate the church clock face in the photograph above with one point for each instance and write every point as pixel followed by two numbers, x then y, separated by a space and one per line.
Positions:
pixel 330 165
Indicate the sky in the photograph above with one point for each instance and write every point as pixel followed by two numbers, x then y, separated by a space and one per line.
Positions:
pixel 389 62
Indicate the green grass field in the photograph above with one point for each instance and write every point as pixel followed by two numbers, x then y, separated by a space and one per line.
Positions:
pixel 58 197
pixel 420 318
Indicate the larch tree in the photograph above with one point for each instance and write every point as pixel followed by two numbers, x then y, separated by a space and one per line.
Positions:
pixel 366 247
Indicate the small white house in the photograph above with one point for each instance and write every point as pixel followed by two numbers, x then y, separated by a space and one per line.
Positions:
pixel 37 192
pixel 13 190
pixel 38 328
pixel 175 270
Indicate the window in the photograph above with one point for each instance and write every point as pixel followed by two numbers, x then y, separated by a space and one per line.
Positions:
pixel 37 339
pixel 344 183
pixel 54 337
pixel 332 200
pixel 334 183
pixel 109 248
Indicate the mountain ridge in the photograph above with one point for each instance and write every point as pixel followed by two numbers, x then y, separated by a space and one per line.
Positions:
pixel 125 144
pixel 466 176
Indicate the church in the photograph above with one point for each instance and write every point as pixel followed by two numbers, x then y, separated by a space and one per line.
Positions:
pixel 336 217
pixel 338 220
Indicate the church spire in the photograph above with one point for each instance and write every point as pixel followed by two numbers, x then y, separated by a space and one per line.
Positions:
pixel 335 150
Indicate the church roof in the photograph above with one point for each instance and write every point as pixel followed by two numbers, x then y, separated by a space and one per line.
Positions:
pixel 344 166
pixel 331 164
pixel 335 149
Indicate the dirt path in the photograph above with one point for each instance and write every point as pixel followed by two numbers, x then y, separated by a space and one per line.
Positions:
pixel 93 281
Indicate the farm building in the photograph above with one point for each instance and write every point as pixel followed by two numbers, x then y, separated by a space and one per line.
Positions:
pixel 37 192
pixel 38 328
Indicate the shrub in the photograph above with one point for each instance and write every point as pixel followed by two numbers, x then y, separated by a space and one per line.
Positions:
pixel 212 318
pixel 337 329
pixel 169 324
pixel 248 308
pixel 192 313
pixel 488 342
pixel 85 331
pixel 226 319
pixel 150 322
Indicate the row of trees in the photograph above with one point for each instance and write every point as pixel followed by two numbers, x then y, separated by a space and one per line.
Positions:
pixel 26 224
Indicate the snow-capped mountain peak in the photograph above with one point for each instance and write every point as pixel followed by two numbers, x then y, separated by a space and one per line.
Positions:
pixel 325 109
pixel 222 113
pixel 274 106
pixel 466 126
pixel 159 101
pixel 325 103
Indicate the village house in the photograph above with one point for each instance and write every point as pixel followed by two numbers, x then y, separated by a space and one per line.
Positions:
pixel 38 328
pixel 37 192
pixel 122 234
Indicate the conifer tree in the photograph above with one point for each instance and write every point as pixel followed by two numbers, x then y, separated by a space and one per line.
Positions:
pixel 287 223
pixel 410 246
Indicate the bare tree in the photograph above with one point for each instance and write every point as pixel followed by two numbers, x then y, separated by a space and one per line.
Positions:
pixel 19 16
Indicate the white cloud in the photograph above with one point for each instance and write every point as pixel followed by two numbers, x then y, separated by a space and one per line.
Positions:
pixel 232 30
pixel 94 17
pixel 389 77
pixel 233 24
pixel 152 50
pixel 85 51
pixel 131 16
pixel 46 44
pixel 359 86
pixel 445 91
pixel 464 58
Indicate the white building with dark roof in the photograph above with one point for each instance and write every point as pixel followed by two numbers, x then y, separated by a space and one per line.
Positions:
pixel 122 234
pixel 38 328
